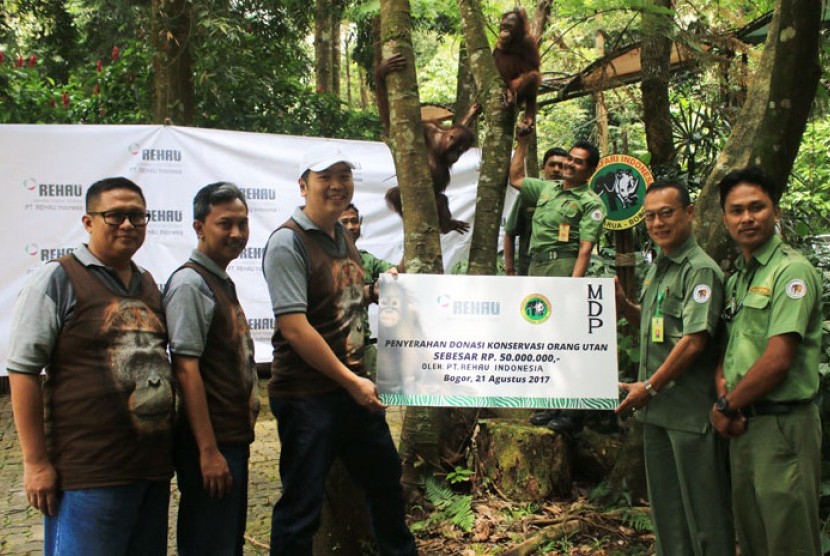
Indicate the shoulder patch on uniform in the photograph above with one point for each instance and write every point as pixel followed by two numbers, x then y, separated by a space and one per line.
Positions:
pixel 796 288
pixel 702 293
pixel 596 216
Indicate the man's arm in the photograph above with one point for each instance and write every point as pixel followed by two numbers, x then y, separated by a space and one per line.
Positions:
pixel 216 476
pixel 312 347
pixel 517 163
pixel 767 372
pixel 583 258
pixel 727 427
pixel 40 479
pixel 678 361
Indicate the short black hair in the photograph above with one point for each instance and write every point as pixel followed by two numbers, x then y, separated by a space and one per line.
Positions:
pixel 593 152
pixel 555 151
pixel 753 176
pixel 215 194
pixel 108 184
pixel 352 207
pixel 665 183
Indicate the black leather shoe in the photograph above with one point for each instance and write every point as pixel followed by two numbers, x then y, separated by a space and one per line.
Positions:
pixel 565 424
pixel 541 418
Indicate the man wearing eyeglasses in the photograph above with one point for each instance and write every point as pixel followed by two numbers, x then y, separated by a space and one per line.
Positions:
pixel 769 375
pixel 98 465
pixel 678 315
pixel 373 268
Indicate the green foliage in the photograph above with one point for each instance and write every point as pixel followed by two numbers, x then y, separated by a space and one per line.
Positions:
pixel 449 507
pixel 118 92
pixel 460 475
pixel 639 521
pixel 807 202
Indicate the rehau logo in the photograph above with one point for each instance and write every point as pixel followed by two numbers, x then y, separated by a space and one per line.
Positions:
pixel 51 254
pixel 261 324
pixel 54 190
pixel 252 253
pixel 165 215
pixel 161 155
pixel 259 194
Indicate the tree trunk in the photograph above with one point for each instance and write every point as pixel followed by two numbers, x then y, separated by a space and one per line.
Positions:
pixel 522 462
pixel 629 472
pixel 323 40
pixel 655 60
pixel 496 142
pixel 344 520
pixel 465 85
pixel 174 99
pixel 420 437
pixel 768 132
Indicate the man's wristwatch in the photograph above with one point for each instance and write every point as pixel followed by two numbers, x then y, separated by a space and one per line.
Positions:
pixel 722 405
pixel 652 391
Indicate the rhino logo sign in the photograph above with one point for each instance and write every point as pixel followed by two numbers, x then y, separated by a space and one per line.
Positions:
pixel 621 182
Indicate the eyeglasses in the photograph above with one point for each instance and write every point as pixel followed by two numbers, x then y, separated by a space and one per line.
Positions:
pixel 117 217
pixel 353 220
pixel 664 214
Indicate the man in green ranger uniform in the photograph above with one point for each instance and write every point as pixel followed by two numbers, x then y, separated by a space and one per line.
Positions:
pixel 373 268
pixel 679 311
pixel 518 222
pixel 768 376
pixel 566 225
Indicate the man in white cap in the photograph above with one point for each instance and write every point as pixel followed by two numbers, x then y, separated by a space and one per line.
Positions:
pixel 324 404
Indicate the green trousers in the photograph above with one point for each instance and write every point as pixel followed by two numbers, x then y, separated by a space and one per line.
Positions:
pixel 688 487
pixel 776 477
pixel 559 267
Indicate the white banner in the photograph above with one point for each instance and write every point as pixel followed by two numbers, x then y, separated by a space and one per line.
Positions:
pixel 46 169
pixel 497 341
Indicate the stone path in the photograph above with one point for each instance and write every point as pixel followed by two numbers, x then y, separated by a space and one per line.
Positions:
pixel 21 528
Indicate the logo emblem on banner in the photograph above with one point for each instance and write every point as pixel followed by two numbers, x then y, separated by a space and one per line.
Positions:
pixel 621 181
pixel 536 308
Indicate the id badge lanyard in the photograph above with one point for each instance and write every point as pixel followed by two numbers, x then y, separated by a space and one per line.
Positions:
pixel 657 319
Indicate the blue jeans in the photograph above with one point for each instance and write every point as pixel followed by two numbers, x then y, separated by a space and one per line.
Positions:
pixel 110 521
pixel 313 431
pixel 211 526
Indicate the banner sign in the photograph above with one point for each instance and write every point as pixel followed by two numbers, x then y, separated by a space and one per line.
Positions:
pixel 46 170
pixel 497 341
pixel 621 181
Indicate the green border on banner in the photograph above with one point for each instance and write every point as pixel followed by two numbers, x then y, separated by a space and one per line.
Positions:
pixel 489 401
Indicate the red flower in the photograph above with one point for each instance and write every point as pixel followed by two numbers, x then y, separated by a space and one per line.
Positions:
pixel 65 100
pixel 32 61
pixel 115 53
pixel 96 89
pixel 52 102
pixel 2 57
pixel 18 63
pixel 99 66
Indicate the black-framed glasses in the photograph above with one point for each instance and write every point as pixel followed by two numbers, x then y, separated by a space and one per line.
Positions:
pixel 353 220
pixel 137 218
pixel 664 214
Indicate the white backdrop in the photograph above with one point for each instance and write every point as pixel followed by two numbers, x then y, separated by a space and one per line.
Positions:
pixel 46 169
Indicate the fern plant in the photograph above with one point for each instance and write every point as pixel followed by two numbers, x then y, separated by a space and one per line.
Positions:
pixel 449 506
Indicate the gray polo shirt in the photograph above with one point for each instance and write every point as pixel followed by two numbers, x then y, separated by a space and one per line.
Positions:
pixel 285 263
pixel 45 304
pixel 189 304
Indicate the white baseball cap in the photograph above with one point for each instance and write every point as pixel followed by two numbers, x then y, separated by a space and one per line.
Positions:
pixel 323 156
